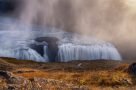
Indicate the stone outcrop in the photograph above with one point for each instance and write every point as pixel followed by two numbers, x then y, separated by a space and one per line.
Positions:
pixel 12 82
pixel 9 81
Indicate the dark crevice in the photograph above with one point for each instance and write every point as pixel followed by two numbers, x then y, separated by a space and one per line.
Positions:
pixel 52 47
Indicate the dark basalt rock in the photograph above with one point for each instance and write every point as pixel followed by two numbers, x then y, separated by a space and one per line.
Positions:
pixel 38 48
pixel 132 69
pixel 51 44
pixel 11 79
pixel 5 74
pixel 13 82
pixel 50 40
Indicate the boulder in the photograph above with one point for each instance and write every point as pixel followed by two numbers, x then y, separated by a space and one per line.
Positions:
pixel 5 74
pixel 14 82
pixel 132 69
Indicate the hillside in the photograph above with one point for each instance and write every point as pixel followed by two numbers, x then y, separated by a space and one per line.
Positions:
pixel 74 75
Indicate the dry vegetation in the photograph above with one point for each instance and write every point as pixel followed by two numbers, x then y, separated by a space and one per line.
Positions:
pixel 97 75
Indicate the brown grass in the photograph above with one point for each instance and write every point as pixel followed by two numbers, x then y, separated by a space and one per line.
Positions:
pixel 94 74
pixel 99 78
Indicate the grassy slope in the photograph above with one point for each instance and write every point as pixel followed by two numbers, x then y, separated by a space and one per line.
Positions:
pixel 90 73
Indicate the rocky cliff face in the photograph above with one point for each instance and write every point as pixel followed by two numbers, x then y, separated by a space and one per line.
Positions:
pixel 50 43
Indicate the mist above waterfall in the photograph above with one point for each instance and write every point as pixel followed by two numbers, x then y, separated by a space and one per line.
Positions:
pixel 109 20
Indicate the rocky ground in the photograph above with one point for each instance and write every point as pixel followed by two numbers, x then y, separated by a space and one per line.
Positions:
pixel 9 81
pixel 74 75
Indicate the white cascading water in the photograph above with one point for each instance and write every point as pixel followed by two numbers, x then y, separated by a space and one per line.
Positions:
pixel 45 54
pixel 71 51
pixel 68 49
pixel 70 46
pixel 25 53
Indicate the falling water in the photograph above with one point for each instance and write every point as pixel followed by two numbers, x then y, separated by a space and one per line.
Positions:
pixel 25 53
pixel 60 19
pixel 45 53
pixel 71 51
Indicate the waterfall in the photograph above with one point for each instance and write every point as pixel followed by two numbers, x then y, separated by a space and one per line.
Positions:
pixel 68 47
pixel 45 53
pixel 25 53
pixel 71 51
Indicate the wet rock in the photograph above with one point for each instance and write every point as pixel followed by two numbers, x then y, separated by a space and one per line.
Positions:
pixel 38 48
